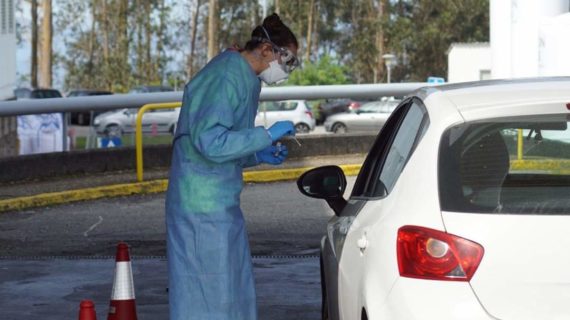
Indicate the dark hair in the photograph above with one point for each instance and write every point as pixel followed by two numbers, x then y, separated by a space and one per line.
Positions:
pixel 277 31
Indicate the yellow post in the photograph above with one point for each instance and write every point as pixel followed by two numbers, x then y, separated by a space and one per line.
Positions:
pixel 138 131
pixel 520 145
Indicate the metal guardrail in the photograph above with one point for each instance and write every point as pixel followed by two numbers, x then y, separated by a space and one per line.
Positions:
pixel 163 100
pixel 138 131
pixel 118 101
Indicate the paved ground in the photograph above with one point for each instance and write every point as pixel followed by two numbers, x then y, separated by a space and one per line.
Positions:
pixel 52 258
pixel 41 275
pixel 52 289
pixel 280 221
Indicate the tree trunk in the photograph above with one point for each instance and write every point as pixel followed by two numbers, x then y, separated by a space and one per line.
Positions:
pixel 46 50
pixel 104 13
pixel 276 7
pixel 91 53
pixel 309 30
pixel 381 13
pixel 160 43
pixel 212 29
pixel 193 38
pixel 34 60
pixel 149 71
pixel 122 42
pixel 316 29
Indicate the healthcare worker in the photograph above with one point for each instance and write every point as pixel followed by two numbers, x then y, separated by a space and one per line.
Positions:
pixel 209 261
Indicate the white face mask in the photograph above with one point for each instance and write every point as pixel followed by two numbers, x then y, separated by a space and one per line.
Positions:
pixel 274 73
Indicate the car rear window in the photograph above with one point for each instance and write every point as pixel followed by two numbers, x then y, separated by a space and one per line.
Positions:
pixel 518 165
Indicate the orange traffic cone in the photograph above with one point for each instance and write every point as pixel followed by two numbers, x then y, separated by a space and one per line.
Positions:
pixel 122 305
pixel 87 310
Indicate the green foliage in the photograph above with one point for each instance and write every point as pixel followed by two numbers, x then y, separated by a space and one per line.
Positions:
pixel 324 72
pixel 117 44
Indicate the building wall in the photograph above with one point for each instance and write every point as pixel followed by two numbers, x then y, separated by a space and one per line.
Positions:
pixel 8 125
pixel 515 35
pixel 8 51
pixel 469 62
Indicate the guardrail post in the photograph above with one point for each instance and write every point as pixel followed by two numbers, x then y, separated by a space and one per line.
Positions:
pixel 138 132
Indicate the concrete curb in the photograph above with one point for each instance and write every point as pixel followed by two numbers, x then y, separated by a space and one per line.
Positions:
pixel 146 187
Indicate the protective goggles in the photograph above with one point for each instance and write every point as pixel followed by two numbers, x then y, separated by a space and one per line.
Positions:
pixel 289 61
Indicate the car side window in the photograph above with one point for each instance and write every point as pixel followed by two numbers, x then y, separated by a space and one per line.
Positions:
pixel 407 137
pixel 392 149
pixel 269 106
pixel 287 106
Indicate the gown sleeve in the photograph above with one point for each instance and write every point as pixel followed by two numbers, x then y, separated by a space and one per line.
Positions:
pixel 212 127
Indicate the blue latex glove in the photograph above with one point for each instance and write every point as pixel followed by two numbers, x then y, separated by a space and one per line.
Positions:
pixel 273 155
pixel 280 129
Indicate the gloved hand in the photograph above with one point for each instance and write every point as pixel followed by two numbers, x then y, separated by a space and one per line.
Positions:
pixel 280 129
pixel 273 155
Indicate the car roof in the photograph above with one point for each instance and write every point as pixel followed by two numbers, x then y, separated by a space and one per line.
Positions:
pixel 500 92
pixel 496 98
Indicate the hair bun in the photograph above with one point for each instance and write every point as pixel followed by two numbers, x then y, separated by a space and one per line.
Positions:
pixel 272 21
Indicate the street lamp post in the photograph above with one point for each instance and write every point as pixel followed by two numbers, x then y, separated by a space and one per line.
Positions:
pixel 390 61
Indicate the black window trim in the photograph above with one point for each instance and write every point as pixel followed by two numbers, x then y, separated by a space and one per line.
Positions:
pixel 379 149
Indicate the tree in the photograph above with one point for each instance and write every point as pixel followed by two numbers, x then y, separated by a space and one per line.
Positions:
pixel 194 31
pixel 46 55
pixel 34 42
pixel 325 72
pixel 212 29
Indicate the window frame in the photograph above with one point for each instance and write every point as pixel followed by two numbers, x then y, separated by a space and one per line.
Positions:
pixel 373 165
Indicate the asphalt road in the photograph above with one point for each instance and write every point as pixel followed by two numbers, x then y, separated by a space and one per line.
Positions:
pixel 280 221
pixel 49 256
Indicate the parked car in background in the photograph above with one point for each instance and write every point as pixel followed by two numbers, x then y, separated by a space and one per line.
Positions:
pixel 36 93
pixel 118 122
pixel 296 111
pixel 84 118
pixel 334 106
pixel 147 89
pixel 461 209
pixel 370 117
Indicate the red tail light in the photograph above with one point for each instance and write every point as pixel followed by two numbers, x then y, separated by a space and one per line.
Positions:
pixel 309 113
pixel 430 254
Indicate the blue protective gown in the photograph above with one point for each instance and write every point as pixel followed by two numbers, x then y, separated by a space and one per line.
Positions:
pixel 209 261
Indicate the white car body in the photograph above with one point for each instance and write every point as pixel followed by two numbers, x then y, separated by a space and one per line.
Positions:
pixel 524 272
pixel 124 121
pixel 296 111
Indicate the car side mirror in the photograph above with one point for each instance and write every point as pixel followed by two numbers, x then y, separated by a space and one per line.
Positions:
pixel 328 183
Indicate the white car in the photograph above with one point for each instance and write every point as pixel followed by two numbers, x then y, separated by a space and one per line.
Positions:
pixel 296 111
pixel 368 118
pixel 117 122
pixel 460 211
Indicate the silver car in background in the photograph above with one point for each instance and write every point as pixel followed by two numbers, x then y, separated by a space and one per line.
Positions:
pixel 296 111
pixel 368 118
pixel 118 122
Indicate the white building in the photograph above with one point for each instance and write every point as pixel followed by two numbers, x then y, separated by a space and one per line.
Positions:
pixel 469 62
pixel 529 38
pixel 7 48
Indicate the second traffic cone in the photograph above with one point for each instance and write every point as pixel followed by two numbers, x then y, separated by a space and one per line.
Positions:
pixel 122 305
pixel 87 310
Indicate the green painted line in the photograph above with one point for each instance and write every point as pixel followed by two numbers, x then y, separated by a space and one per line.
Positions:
pixel 146 187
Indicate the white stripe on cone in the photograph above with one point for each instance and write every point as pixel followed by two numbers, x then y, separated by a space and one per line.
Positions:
pixel 123 288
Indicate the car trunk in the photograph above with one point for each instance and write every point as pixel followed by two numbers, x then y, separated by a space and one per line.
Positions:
pixel 525 270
